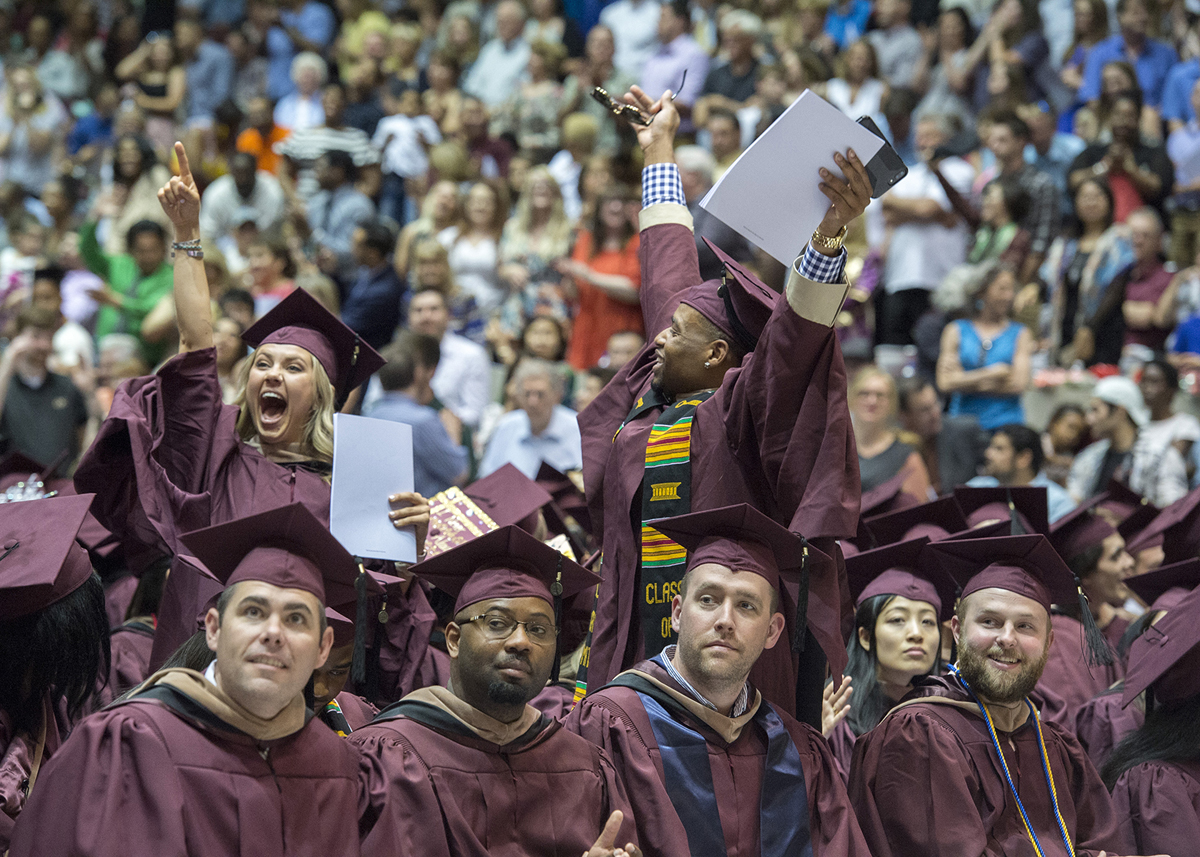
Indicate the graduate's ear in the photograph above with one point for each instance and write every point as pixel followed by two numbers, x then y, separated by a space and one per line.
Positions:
pixel 775 630
pixel 956 627
pixel 676 611
pixel 864 639
pixel 326 647
pixel 212 628
pixel 453 635
pixel 718 352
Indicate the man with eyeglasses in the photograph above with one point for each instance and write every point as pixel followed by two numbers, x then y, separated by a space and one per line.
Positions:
pixel 503 778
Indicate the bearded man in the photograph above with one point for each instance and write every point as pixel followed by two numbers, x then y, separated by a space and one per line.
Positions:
pixel 965 765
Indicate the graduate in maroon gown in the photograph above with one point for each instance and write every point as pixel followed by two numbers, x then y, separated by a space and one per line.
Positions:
pixel 472 769
pixel 740 398
pixel 230 761
pixel 710 765
pixel 900 604
pixel 1155 771
pixel 342 711
pixel 929 779
pixel 54 636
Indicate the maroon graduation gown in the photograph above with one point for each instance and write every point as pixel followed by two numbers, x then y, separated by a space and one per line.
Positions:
pixel 1068 674
pixel 438 788
pixel 1101 724
pixel 555 700
pixel 1158 804
pixel 357 711
pixel 117 596
pixel 161 776
pixel 615 719
pixel 841 748
pixel 776 435
pixel 17 753
pixel 927 781
pixel 130 645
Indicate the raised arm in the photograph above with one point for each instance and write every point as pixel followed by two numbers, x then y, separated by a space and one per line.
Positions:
pixel 193 309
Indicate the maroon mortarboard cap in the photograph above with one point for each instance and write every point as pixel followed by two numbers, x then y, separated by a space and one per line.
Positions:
pixel 897 569
pixel 19 464
pixel 739 304
pixel 508 496
pixel 505 563
pixel 935 520
pixel 40 560
pixel 570 500
pixel 1179 526
pixel 1024 506
pixel 1080 529
pixel 1166 656
pixel 1120 500
pixel 299 319
pixel 343 628
pixel 1172 580
pixel 287 547
pixel 1027 565
pixel 887 497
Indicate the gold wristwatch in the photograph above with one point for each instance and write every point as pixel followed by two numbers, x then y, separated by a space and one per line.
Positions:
pixel 827 243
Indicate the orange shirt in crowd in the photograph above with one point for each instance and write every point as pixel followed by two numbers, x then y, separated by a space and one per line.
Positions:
pixel 600 316
pixel 251 141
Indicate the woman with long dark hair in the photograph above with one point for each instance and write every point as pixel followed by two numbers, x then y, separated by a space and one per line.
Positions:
pixel 54 636
pixel 900 605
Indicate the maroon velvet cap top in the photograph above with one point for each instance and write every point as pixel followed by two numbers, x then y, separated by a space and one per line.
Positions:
pixel 1080 529
pixel 740 538
pixel 1029 504
pixel 1167 655
pixel 287 547
pixel 898 569
pixel 299 319
pixel 1027 565
pixel 887 497
pixel 505 563
pixel 343 628
pixel 1180 524
pixel 1121 500
pixel 739 304
pixel 1154 587
pixel 568 499
pixel 936 519
pixel 40 560
pixel 509 497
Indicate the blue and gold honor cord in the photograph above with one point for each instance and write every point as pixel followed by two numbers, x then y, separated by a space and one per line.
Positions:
pixel 987 717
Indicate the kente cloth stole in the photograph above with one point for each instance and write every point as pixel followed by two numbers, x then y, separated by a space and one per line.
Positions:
pixel 666 492
pixel 783 807
pixel 333 717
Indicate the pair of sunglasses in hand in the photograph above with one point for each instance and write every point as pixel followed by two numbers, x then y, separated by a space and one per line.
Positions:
pixel 627 111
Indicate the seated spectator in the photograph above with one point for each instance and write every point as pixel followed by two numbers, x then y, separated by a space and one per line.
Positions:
pixel 301 108
pixel 697 173
pixel 359 21
pixel 78 283
pixel 951 447
pixel 32 124
pixel 897 43
pixel 1159 384
pixel 73 347
pixel 439 211
pixel 295 26
pixel 474 247
pixel 61 197
pixel 1146 303
pixel 431 270
pixel 269 273
pixel 531 114
pixel 302 148
pixel 1079 268
pixel 227 340
pixel 1065 435
pixel 1178 108
pixel 249 69
pixel 1000 237
pixel 588 386
pixel 579 136
pixel 535 238
pixel 548 23
pixel 1116 415
pixel 439 459
pixel 92 134
pixel 599 69
pixel 244 189
pixel 42 415
pixel 678 63
pixel 725 139
pixel 634 26
pixel 541 430
pixel 731 84
pixel 857 90
pixel 622 347
pixel 1140 173
pixel 502 61
pixel 160 81
pixel 25 254
pixel 443 99
pixel 335 211
pixel 881 453
pixel 1015 457
pixel 260 135
pixel 134 281
pixel 364 109
pixel 372 305
pixel 544 338
pixel 1154 58
pixel 463 378
pixel 489 155
pixel 403 138
pixel 1183 148
pixel 1050 150
pixel 940 75
pixel 402 46
pixel 238 304
pixel 1090 29
pixel 133 196
pixel 984 362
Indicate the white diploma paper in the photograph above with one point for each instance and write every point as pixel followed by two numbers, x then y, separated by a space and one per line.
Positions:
pixel 771 194
pixel 372 459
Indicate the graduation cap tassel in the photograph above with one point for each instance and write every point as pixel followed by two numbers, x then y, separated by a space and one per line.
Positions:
pixel 1099 653
pixel 358 665
pixel 1014 523
pixel 556 589
pixel 801 628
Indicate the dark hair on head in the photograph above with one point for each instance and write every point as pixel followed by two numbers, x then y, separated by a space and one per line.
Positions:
pixel 50 273
pixel 1170 373
pixel 1017 200
pixel 597 227
pixel 1083 564
pixel 900 101
pixel 1171 733
pixel 149 589
pixel 1064 409
pixel 275 244
pixel 226 597
pixel 907 388
pixel 869 703
pixel 193 654
pixel 448 59
pixel 558 326
pixel 1102 184
pixel 1122 5
pixel 36 317
pixel 1014 123
pixel 723 113
pixel 1025 439
pixel 403 355
pixel 1136 628
pixel 680 9
pixel 378 236
pixel 144 227
pixel 341 160
pixel 149 159
pixel 60 652
pixel 397 86
pixel 712 333
pixel 968 28
pixel 1134 95
pixel 603 374
pixel 243 157
pixel 235 297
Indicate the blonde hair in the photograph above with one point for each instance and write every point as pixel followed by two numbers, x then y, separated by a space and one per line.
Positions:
pixel 557 235
pixel 867 373
pixel 318 431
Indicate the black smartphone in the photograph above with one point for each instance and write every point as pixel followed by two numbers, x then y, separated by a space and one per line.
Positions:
pixel 887 167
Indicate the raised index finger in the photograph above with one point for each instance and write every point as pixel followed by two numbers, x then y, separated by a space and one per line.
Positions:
pixel 608 836
pixel 185 171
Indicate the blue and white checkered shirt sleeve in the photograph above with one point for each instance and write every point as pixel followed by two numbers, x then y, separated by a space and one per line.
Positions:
pixel 660 183
pixel 816 266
